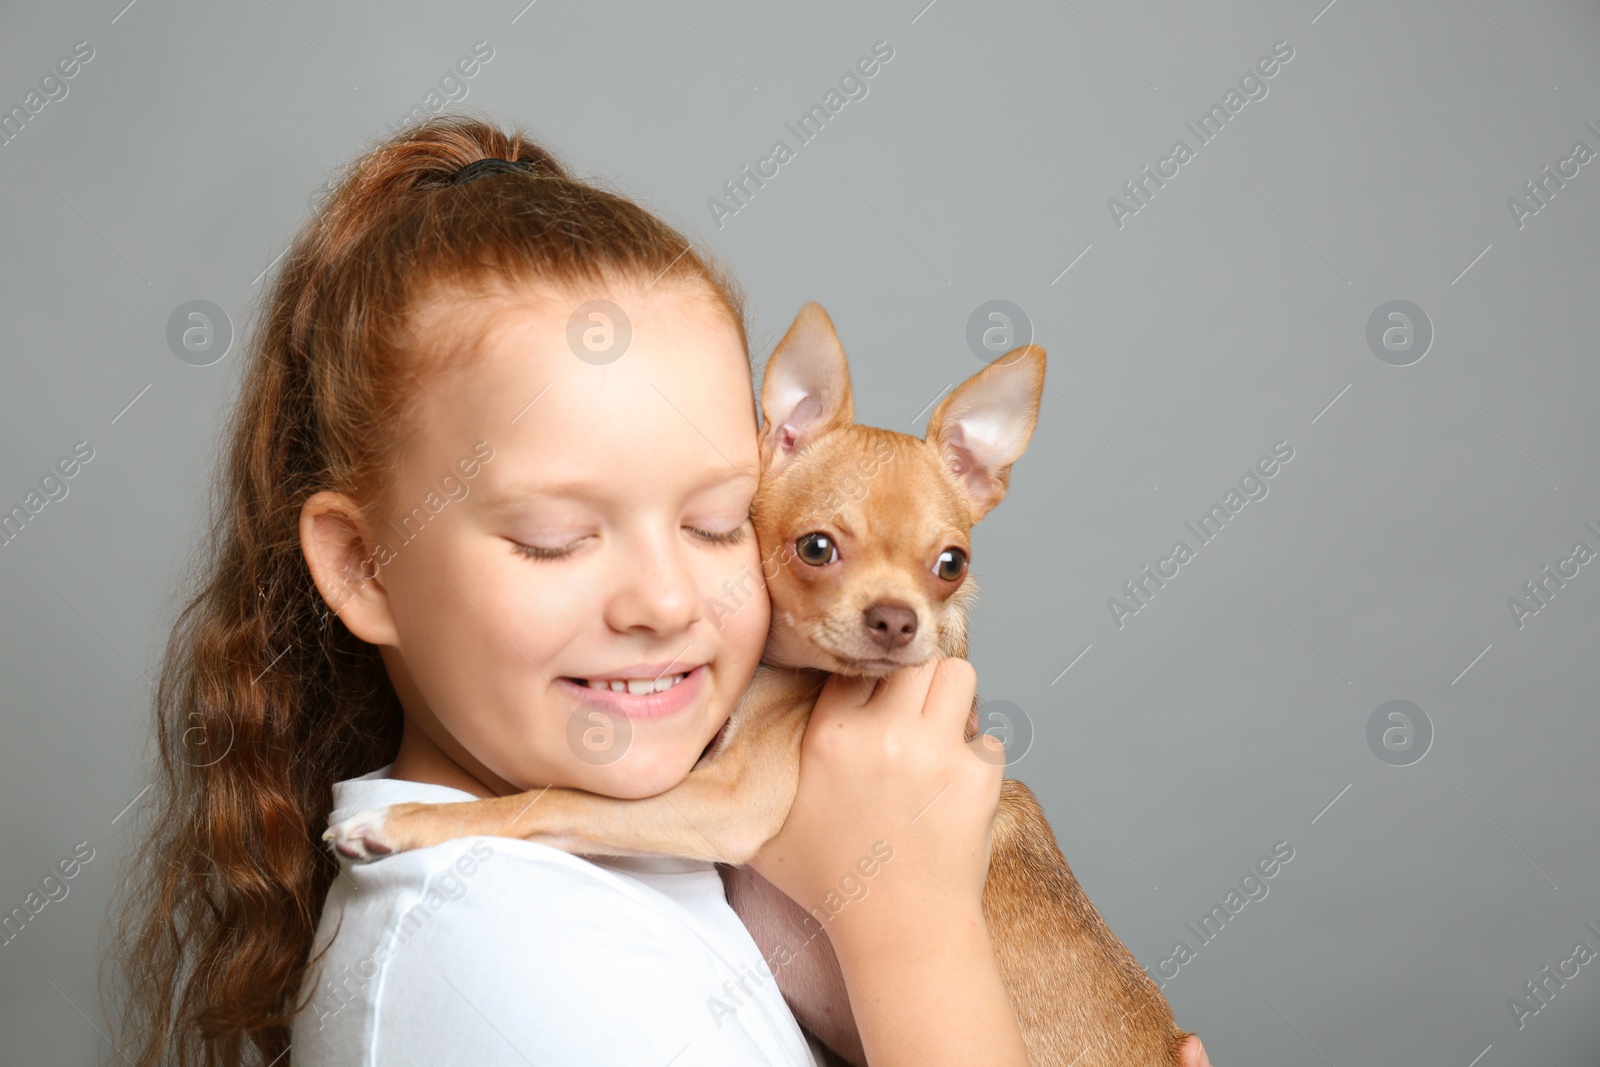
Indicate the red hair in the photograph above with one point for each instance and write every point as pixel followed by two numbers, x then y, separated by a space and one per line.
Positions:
pixel 264 698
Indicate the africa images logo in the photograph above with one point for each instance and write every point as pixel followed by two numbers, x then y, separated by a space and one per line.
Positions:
pixel 740 190
pixel 1252 86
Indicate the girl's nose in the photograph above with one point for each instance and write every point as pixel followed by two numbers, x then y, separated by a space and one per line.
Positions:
pixel 655 591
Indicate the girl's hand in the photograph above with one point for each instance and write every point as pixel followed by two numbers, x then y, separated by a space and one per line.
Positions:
pixel 893 810
pixel 887 844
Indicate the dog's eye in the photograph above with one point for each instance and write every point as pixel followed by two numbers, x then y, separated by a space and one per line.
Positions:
pixel 817 549
pixel 952 564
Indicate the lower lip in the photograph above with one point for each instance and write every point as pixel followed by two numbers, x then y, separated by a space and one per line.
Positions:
pixel 882 663
pixel 644 705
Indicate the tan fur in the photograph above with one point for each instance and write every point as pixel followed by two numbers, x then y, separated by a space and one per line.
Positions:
pixel 1080 997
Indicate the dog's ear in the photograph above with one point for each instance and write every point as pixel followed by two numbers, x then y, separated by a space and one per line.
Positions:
pixel 984 426
pixel 806 390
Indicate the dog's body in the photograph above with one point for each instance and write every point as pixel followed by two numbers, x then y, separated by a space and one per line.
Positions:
pixel 866 584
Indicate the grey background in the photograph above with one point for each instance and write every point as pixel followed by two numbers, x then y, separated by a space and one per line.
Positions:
pixel 1228 314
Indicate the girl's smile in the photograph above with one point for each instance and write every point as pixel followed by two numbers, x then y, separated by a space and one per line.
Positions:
pixel 642 692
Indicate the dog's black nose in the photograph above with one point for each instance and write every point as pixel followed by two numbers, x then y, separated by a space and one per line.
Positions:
pixel 891 624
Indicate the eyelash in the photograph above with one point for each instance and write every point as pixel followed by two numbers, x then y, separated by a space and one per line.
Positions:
pixel 535 552
pixel 731 537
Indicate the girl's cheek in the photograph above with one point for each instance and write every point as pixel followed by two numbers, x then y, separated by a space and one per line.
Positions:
pixel 745 631
pixel 535 596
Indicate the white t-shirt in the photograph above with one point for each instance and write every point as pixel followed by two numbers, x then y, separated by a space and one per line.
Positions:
pixel 502 953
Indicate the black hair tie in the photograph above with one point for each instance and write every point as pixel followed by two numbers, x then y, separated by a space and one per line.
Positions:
pixel 484 167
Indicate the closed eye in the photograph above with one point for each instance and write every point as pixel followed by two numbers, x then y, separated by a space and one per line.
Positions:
pixel 729 537
pixel 537 552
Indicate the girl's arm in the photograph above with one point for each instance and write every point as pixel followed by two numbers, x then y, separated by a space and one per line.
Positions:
pixel 926 989
pixel 889 838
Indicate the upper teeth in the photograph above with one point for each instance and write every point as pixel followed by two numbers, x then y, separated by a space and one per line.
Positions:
pixel 636 685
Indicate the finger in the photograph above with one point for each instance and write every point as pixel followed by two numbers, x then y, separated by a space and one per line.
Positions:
pixel 950 693
pixel 1192 1053
pixel 988 748
pixel 846 692
pixel 904 691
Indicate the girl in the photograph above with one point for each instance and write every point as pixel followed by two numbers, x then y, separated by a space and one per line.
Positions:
pixel 496 446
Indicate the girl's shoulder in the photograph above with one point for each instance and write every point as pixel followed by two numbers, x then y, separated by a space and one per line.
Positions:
pixel 507 888
pixel 533 950
pixel 521 873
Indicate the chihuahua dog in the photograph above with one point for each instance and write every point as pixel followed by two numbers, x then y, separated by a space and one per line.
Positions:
pixel 869 581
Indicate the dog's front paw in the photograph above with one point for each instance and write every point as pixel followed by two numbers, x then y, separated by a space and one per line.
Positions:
pixel 361 837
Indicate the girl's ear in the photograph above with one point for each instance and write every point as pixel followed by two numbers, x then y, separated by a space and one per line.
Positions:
pixel 806 390
pixel 345 568
pixel 983 427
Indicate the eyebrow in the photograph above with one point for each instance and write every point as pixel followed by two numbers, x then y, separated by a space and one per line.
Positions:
pixel 518 494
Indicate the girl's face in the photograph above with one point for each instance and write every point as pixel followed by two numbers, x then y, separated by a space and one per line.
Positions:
pixel 559 527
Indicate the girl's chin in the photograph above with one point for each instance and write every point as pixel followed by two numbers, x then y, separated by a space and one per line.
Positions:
pixel 641 774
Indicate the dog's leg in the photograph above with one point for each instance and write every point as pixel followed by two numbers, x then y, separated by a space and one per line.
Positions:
pixel 706 816
pixel 731 803
pixel 568 819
